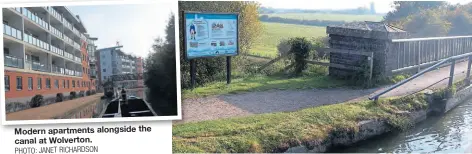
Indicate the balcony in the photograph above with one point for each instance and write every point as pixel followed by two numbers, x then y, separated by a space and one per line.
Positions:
pixel 76 32
pixel 10 31
pixel 69 55
pixel 30 15
pixel 77 73
pixel 36 42
pixel 58 70
pixel 37 66
pixel 68 40
pixel 76 45
pixel 56 32
pixel 54 13
pixel 77 59
pixel 82 36
pixel 57 50
pixel 17 9
pixel 67 24
pixel 69 72
pixel 11 61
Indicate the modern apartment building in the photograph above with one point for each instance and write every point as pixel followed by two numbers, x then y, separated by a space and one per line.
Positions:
pixel 45 52
pixel 113 61
pixel 91 48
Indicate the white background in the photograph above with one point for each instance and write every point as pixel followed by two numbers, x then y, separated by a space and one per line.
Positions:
pixel 159 140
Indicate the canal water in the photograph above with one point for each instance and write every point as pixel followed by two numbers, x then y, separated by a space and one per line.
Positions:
pixel 450 133
pixel 100 107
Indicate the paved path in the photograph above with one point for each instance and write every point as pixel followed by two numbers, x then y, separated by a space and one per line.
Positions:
pixel 52 110
pixel 233 105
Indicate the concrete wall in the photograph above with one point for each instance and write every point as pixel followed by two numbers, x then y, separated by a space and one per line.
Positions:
pixel 372 128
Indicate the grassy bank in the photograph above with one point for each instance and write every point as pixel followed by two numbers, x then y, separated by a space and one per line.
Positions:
pixel 328 16
pixel 276 132
pixel 274 32
pixel 261 83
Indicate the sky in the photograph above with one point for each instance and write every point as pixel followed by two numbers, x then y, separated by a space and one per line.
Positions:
pixel 381 6
pixel 135 26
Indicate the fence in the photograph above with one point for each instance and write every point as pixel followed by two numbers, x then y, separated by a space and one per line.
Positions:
pixel 368 56
pixel 417 53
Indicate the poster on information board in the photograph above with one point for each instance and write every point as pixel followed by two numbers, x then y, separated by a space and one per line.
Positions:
pixel 210 34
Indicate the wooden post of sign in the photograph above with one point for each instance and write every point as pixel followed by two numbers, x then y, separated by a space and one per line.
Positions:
pixel 228 69
pixel 192 73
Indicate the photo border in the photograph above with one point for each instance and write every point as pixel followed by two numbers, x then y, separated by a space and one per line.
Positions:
pixel 174 4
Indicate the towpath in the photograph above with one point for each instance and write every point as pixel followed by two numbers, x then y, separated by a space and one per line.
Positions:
pixel 244 104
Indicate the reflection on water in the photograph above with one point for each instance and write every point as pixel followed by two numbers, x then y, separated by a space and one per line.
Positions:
pixel 138 93
pixel 451 133
pixel 100 107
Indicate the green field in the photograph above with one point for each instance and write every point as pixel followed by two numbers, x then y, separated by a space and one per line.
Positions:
pixel 327 16
pixel 274 32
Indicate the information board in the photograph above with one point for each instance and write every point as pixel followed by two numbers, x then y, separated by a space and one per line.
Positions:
pixel 210 34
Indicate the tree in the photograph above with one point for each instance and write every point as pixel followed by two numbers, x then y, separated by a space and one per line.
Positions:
pixel 404 9
pixel 160 76
pixel 427 23
pixel 461 21
pixel 210 69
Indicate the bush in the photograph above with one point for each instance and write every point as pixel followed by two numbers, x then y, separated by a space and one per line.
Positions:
pixel 15 106
pixel 283 47
pixel 36 101
pixel 73 95
pixel 88 93
pixel 81 94
pixel 109 94
pixel 300 47
pixel 59 97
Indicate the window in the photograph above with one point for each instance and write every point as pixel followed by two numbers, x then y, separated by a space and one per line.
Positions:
pixel 30 83
pixel 19 83
pixel 39 83
pixel 7 82
pixel 63 83
pixel 78 83
pixel 104 70
pixel 73 83
pixel 48 83
pixel 56 83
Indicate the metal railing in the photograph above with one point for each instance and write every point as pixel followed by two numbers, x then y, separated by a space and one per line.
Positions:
pixel 77 73
pixel 416 53
pixel 10 31
pixel 68 40
pixel 77 59
pixel 69 55
pixel 69 72
pixel 57 50
pixel 58 70
pixel 76 45
pixel 452 59
pixel 37 66
pixel 13 61
pixel 33 17
pixel 54 13
pixel 36 42
pixel 56 32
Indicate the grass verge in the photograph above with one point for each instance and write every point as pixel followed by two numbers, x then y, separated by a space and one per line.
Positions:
pixel 328 16
pixel 261 83
pixel 276 132
pixel 274 32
